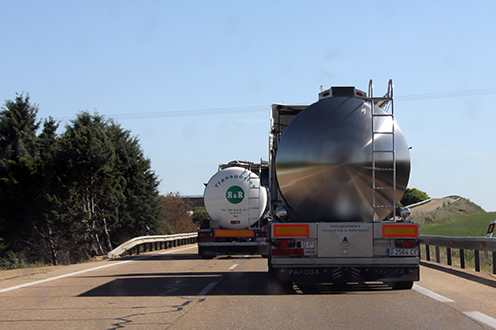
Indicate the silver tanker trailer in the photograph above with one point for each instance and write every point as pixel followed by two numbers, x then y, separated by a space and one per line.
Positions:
pixel 236 200
pixel 338 168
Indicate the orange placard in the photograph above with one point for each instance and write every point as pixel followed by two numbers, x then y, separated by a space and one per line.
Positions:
pixel 291 230
pixel 399 231
pixel 234 233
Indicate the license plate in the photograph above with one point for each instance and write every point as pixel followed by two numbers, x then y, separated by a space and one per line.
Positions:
pixel 403 252
pixel 287 252
pixel 308 244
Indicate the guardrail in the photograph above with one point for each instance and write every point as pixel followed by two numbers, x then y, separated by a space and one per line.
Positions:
pixel 476 244
pixel 156 242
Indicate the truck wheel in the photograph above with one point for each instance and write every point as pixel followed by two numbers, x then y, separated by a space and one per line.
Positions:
pixel 404 285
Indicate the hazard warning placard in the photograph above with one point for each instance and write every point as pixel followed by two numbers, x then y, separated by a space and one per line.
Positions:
pixel 345 239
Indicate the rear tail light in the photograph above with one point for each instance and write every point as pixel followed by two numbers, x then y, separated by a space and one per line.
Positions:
pixel 405 243
pixel 284 242
pixel 209 234
pixel 262 234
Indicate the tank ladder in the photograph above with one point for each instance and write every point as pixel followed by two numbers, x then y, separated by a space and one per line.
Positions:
pixel 254 195
pixel 379 131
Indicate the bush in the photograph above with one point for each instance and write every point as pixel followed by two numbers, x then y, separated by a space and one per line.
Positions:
pixel 412 196
pixel 13 260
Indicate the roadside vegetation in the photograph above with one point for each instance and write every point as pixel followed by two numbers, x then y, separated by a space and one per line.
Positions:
pixel 66 197
pixel 458 218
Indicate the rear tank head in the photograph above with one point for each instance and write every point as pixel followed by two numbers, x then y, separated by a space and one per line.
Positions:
pixel 324 159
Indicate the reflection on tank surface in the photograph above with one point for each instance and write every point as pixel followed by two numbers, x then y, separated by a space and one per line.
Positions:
pixel 324 162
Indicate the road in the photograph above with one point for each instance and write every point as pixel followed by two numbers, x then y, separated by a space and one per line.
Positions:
pixel 177 290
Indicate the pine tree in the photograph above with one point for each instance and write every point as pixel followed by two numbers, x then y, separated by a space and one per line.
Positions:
pixel 18 174
pixel 89 156
pixel 140 208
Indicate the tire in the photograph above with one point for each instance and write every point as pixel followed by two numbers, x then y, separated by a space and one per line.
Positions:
pixel 403 285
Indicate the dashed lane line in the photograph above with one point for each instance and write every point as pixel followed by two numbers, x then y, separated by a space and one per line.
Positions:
pixel 233 266
pixel 483 318
pixel 431 294
pixel 207 289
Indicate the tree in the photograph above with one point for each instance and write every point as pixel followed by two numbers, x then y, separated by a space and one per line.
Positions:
pixel 65 197
pixel 48 192
pixel 88 157
pixel 112 187
pixel 412 196
pixel 175 217
pixel 18 173
pixel 140 208
pixel 199 214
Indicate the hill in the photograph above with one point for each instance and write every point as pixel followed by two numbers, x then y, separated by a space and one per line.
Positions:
pixel 439 210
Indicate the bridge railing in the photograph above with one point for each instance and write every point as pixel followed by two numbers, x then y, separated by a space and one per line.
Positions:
pixel 155 242
pixel 476 244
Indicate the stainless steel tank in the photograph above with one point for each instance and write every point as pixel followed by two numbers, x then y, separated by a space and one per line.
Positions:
pixel 324 162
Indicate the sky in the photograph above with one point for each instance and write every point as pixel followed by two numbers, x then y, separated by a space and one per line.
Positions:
pixel 194 80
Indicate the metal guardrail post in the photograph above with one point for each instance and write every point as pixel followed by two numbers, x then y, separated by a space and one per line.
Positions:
pixel 438 256
pixel 427 252
pixel 448 255
pixel 494 262
pixel 462 258
pixel 477 260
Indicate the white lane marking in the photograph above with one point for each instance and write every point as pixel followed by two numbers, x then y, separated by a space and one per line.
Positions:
pixel 431 294
pixel 85 271
pixel 207 289
pixel 233 266
pixel 483 318
pixel 170 288
pixel 478 316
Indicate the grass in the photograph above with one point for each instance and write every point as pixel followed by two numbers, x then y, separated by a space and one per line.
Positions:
pixel 472 225
pixel 485 258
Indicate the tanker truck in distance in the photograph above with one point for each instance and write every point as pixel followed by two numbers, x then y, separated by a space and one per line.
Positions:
pixel 236 201
pixel 338 168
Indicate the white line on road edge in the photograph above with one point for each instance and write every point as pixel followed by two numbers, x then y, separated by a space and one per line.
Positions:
pixel 431 294
pixel 478 316
pixel 207 289
pixel 85 271
pixel 483 318
pixel 233 266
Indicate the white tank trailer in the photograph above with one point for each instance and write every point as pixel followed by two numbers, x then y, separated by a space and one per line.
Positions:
pixel 236 201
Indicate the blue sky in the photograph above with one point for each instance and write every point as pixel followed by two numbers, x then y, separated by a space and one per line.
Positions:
pixel 194 80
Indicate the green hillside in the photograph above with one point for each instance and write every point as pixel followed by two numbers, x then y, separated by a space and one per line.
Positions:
pixel 472 225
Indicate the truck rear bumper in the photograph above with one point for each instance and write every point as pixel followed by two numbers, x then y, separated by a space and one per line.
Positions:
pixel 343 274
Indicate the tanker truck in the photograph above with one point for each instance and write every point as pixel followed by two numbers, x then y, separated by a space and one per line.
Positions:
pixel 338 168
pixel 236 200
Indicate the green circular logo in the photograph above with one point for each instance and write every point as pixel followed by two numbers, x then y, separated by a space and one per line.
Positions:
pixel 235 194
